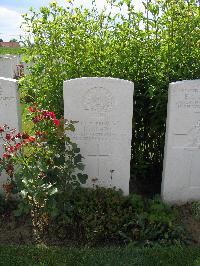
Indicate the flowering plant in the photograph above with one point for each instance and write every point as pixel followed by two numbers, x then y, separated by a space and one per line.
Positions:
pixel 43 167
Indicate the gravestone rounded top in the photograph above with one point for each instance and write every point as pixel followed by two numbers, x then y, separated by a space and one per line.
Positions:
pixel 100 80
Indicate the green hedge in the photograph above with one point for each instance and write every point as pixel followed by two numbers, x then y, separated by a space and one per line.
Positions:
pixel 151 49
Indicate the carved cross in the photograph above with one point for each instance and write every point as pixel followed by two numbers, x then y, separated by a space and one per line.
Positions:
pixel 98 155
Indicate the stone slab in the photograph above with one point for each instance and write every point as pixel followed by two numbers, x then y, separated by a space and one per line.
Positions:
pixel 181 168
pixel 9 110
pixel 104 109
pixel 8 65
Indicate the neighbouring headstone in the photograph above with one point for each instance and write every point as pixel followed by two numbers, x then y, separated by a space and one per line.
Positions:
pixel 8 65
pixel 9 111
pixel 104 109
pixel 181 170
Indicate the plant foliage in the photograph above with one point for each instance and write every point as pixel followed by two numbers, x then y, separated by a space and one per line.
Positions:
pixel 43 168
pixel 105 215
pixel 150 48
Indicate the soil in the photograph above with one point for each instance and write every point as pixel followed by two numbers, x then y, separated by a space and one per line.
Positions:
pixel 191 222
pixel 15 231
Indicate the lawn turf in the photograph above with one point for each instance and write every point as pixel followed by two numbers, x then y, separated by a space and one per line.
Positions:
pixel 30 255
pixel 10 50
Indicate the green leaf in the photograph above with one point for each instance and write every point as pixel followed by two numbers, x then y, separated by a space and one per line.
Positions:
pixel 54 212
pixel 70 127
pixel 80 166
pixel 53 191
pixel 78 158
pixel 17 212
pixel 77 150
pixel 82 178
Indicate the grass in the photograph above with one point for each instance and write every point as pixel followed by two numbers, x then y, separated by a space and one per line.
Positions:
pixel 24 255
pixel 27 125
pixel 11 50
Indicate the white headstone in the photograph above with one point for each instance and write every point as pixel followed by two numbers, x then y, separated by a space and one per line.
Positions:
pixel 181 172
pixel 8 65
pixel 104 109
pixel 9 110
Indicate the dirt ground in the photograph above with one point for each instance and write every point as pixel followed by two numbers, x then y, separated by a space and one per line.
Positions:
pixel 15 231
pixel 191 222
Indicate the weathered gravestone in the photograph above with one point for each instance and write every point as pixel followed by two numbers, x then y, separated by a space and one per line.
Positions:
pixel 9 111
pixel 181 173
pixel 104 108
pixel 8 65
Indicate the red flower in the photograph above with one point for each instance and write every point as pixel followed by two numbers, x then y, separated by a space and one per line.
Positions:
pixel 25 135
pixel 52 114
pixel 31 139
pixel 25 141
pixel 56 122
pixel 8 136
pixel 48 114
pixel 10 149
pixel 37 119
pixel 31 109
pixel 1 130
pixel 18 146
pixel 6 155
pixel 18 136
pixel 39 133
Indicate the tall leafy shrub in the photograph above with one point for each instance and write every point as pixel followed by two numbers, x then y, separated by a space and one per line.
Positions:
pixel 150 48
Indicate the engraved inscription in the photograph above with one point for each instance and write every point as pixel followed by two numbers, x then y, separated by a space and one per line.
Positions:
pixel 94 130
pixel 194 136
pixel 191 99
pixel 5 100
pixel 98 99
pixel 188 104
